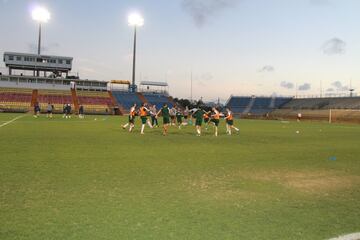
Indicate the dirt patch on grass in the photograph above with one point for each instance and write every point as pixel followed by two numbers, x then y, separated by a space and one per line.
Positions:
pixel 225 187
pixel 251 185
pixel 306 180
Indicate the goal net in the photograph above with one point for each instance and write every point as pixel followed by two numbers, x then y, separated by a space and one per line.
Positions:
pixel 344 115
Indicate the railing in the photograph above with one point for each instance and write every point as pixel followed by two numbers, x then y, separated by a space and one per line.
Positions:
pixel 328 95
pixel 153 91
pixel 23 81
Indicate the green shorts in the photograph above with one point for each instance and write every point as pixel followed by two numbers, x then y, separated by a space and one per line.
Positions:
pixel 179 120
pixel 143 120
pixel 198 122
pixel 230 122
pixel 131 119
pixel 166 120
pixel 215 121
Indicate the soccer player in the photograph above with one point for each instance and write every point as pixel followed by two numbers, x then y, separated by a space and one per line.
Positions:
pixel 215 119
pixel 143 115
pixel 36 110
pixel 186 114
pixel 165 111
pixel 173 116
pixel 81 111
pixel 179 117
pixel 68 111
pixel 132 116
pixel 153 112
pixel 299 116
pixel 49 110
pixel 206 120
pixel 230 122
pixel 198 115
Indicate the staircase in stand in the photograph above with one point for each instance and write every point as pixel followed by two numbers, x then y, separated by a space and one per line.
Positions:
pixel 34 97
pixel 141 97
pixel 122 110
pixel 272 102
pixel 250 105
pixel 75 100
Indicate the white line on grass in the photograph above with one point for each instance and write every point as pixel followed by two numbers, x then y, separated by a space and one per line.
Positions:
pixel 353 236
pixel 11 121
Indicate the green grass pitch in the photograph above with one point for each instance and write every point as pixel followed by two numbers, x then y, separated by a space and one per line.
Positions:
pixel 90 179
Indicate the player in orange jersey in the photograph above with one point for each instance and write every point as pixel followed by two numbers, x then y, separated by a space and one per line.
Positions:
pixel 230 122
pixel 144 111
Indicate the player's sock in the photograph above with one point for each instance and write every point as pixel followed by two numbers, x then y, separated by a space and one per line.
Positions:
pixel 142 128
pixel 198 131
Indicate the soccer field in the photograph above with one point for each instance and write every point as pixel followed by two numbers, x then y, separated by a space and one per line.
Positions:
pixel 90 179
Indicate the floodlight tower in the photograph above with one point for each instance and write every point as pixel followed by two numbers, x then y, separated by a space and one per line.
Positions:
pixel 135 20
pixel 41 15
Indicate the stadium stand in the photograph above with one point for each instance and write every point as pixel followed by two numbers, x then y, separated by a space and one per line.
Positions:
pixel 95 102
pixel 239 104
pixel 55 97
pixel 308 114
pixel 324 103
pixel 126 99
pixel 261 106
pixel 341 109
pixel 255 105
pixel 157 100
pixel 15 99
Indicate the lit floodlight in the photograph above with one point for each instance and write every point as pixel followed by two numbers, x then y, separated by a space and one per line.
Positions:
pixel 41 15
pixel 135 19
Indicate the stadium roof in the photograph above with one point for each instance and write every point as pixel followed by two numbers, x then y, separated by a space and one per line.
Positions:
pixel 150 83
pixel 36 55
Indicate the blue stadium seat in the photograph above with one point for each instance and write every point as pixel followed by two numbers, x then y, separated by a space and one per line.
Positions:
pixel 126 99
pixel 256 106
pixel 157 100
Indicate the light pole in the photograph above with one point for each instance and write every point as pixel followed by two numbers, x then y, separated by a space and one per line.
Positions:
pixel 41 15
pixel 135 20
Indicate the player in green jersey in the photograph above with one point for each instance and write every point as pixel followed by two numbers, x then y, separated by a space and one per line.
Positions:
pixel 165 112
pixel 198 115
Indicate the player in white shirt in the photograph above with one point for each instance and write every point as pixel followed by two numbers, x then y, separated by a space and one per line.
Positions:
pixel 132 116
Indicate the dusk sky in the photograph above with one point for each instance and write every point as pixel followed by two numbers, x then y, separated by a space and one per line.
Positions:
pixel 239 47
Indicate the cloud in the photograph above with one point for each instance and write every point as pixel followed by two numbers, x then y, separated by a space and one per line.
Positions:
pixel 204 79
pixel 287 85
pixel 339 87
pixel 207 77
pixel 334 46
pixel 203 10
pixel 305 87
pixel 267 68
